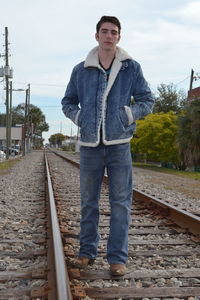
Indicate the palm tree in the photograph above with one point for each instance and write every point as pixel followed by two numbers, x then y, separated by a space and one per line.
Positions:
pixel 35 119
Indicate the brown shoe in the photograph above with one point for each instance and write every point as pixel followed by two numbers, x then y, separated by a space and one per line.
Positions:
pixel 82 262
pixel 118 269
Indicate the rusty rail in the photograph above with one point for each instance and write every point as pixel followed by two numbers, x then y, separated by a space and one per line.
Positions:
pixel 179 216
pixel 62 279
pixel 143 226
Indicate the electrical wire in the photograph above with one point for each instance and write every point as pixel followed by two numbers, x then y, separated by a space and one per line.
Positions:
pixel 41 84
pixel 182 80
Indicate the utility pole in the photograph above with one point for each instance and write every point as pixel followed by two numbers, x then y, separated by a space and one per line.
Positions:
pixel 29 118
pixel 7 73
pixel 10 115
pixel 28 121
pixel 191 79
pixel 7 92
pixel 31 132
pixel 24 147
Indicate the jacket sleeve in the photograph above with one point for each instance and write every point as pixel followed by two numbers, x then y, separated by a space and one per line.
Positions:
pixel 70 101
pixel 143 98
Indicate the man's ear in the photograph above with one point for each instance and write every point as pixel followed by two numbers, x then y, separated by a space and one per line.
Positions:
pixel 96 36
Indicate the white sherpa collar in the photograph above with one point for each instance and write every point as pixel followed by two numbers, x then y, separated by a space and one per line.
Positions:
pixel 92 60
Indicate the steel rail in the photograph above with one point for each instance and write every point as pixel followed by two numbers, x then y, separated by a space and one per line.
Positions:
pixel 62 278
pixel 179 216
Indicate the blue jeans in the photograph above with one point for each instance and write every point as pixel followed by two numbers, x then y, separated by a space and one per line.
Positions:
pixel 116 159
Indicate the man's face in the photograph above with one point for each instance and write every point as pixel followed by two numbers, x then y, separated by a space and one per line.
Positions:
pixel 108 36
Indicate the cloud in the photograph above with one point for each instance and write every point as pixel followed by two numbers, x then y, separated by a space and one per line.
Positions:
pixel 47 38
pixel 170 46
pixel 190 12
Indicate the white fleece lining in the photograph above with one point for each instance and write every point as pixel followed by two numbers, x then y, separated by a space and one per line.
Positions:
pixel 113 74
pixel 76 117
pixel 129 114
pixel 92 60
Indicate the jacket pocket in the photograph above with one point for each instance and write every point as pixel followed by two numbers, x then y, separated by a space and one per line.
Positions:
pixel 123 116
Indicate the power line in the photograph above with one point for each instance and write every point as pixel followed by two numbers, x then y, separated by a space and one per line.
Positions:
pixel 42 106
pixel 182 80
pixel 41 84
pixel 63 86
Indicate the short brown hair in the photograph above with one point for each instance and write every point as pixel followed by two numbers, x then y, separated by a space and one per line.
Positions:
pixel 109 19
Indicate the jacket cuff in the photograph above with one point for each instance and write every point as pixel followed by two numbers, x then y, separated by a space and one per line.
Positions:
pixel 129 114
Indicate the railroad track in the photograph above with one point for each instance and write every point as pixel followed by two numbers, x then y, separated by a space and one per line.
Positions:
pixel 174 190
pixel 164 258
pixel 28 256
pixel 164 245
pixel 23 243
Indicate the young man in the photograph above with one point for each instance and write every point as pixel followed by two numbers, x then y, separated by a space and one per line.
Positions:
pixel 106 94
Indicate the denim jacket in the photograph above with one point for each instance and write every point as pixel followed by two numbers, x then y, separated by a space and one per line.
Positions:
pixel 93 103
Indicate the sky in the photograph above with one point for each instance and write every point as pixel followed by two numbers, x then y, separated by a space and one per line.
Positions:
pixel 48 38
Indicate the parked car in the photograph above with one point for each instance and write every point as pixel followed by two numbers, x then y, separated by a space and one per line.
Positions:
pixel 2 148
pixel 16 146
pixel 2 155
pixel 12 151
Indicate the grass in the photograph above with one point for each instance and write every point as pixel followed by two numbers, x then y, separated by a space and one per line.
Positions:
pixel 8 164
pixel 187 174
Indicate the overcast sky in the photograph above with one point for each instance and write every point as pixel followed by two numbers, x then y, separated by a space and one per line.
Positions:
pixel 47 38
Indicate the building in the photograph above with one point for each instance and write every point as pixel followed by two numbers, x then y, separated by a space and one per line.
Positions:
pixel 194 93
pixel 16 135
pixel 71 142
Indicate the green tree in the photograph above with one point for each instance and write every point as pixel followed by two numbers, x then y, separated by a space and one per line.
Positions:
pixel 155 138
pixel 56 139
pixel 169 99
pixel 36 118
pixel 189 133
pixel 18 114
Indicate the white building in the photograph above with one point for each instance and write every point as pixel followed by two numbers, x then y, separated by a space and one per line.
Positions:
pixel 16 135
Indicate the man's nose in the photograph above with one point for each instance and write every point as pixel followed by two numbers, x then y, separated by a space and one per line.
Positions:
pixel 109 34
